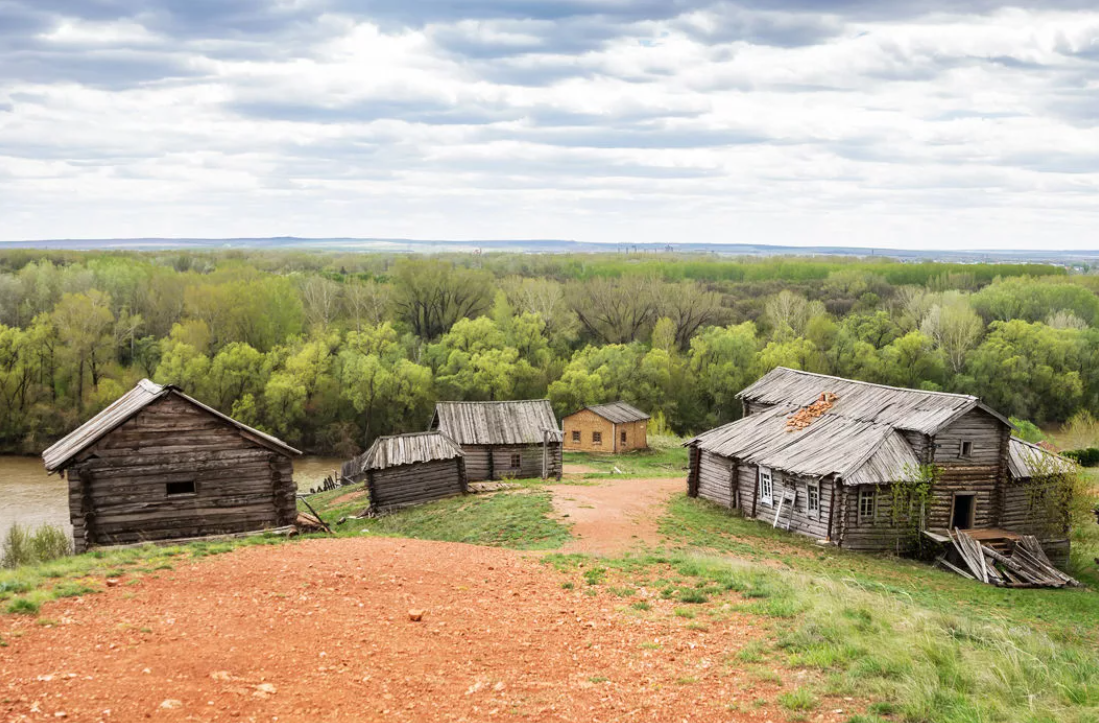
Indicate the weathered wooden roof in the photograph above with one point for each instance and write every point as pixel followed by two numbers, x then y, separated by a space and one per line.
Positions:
pixel 1024 460
pixel 123 409
pixel 489 423
pixel 617 412
pixel 910 409
pixel 856 451
pixel 401 449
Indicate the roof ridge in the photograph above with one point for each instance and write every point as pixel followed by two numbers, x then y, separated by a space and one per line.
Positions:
pixel 501 401
pixel 955 395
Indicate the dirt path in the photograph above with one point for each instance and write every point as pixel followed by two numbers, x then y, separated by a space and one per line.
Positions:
pixel 319 631
pixel 614 515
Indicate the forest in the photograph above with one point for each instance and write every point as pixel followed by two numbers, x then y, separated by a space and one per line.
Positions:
pixel 329 351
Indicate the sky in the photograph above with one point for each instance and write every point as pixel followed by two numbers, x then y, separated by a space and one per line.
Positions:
pixel 909 123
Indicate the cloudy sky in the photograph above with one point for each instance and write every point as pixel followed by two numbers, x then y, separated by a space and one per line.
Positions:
pixel 918 123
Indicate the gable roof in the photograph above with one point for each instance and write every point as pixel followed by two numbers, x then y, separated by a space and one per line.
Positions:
pixel 617 412
pixel 60 454
pixel 523 422
pixel 909 409
pixel 1024 460
pixel 401 449
pixel 856 451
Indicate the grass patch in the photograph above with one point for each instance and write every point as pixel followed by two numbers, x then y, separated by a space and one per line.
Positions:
pixel 641 605
pixel 24 606
pixel 800 700
pixel 519 521
pixel 22 547
pixel 660 460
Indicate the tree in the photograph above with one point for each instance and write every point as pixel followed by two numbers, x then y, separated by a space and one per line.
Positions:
pixel 432 295
pixel 954 327
pixel 83 323
pixel 616 311
pixel 723 362
pixel 366 302
pixel 689 307
pixel 321 299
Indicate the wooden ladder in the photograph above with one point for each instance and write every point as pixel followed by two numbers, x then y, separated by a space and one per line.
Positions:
pixel 788 496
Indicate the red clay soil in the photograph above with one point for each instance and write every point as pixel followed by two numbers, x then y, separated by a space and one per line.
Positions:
pixel 320 631
pixel 614 515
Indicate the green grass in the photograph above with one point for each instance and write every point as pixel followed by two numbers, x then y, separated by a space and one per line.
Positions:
pixel 658 461
pixel 519 521
pixel 1067 614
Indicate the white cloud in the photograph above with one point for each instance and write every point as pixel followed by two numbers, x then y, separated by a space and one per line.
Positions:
pixel 720 124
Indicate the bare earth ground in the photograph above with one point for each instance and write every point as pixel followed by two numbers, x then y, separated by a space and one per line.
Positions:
pixel 614 516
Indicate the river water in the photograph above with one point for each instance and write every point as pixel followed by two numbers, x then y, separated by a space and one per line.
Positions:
pixel 30 497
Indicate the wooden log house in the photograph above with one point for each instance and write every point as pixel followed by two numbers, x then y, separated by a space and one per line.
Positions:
pixel 409 469
pixel 157 464
pixel 830 473
pixel 614 428
pixel 503 440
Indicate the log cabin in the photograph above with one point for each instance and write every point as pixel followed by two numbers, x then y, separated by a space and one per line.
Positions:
pixel 408 469
pixel 157 465
pixel 503 440
pixel 821 455
pixel 614 428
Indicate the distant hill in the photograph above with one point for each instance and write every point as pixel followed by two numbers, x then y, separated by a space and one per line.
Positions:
pixel 546 246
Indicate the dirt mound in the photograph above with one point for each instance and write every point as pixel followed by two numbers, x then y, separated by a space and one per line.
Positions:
pixel 320 630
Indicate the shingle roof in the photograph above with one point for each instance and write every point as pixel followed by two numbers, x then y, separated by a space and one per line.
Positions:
pixel 523 422
pixel 910 409
pixel 858 452
pixel 1024 460
pixel 123 409
pixel 402 449
pixel 618 412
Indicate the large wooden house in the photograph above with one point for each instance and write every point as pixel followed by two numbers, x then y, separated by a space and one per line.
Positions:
pixel 615 427
pixel 503 439
pixel 157 464
pixel 820 455
pixel 409 469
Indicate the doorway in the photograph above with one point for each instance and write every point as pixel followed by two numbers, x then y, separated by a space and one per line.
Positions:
pixel 961 514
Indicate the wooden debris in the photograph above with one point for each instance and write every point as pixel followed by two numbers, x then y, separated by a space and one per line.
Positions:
pixel 480 487
pixel 1026 566
pixel 803 417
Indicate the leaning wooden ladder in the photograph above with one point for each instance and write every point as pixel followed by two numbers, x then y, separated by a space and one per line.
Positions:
pixel 789 496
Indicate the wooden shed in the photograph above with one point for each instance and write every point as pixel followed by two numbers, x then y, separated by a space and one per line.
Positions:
pixel 615 427
pixel 503 439
pixel 820 455
pixel 157 464
pixel 409 469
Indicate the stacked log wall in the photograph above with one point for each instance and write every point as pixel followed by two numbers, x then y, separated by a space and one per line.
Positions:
pixel 414 484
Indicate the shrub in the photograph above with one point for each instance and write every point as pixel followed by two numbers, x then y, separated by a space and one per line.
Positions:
pixel 21 547
pixel 1085 457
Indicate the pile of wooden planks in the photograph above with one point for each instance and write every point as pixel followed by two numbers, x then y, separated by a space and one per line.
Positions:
pixel 803 417
pixel 1026 566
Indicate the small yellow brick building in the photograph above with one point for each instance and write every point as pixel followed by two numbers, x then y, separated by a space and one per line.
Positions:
pixel 615 427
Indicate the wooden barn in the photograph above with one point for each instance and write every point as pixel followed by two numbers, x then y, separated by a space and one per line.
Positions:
pixel 615 427
pixel 409 469
pixel 819 455
pixel 157 464
pixel 503 439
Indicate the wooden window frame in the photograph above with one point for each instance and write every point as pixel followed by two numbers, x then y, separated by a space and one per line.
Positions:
pixel 576 436
pixel 812 492
pixel 597 439
pixel 766 481
pixel 868 492
pixel 965 449
pixel 622 437
pixel 516 460
pixel 189 493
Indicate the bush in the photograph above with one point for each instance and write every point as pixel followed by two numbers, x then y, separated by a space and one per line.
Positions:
pixel 21 547
pixel 1086 457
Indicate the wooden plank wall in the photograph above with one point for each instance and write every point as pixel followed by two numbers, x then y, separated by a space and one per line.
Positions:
pixel 715 479
pixel 240 485
pixel 877 533
pixel 414 484
pixel 485 463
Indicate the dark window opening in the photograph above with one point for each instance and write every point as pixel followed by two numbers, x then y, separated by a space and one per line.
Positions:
pixel 516 461
pixel 623 438
pixel 181 488
pixel 597 438
pixel 962 516
pixel 576 436
pixel 967 449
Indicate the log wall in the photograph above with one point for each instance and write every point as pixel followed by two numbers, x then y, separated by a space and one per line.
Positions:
pixel 715 479
pixel 118 487
pixel 494 463
pixel 414 484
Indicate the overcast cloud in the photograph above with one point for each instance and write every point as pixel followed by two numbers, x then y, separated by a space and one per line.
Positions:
pixel 910 123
